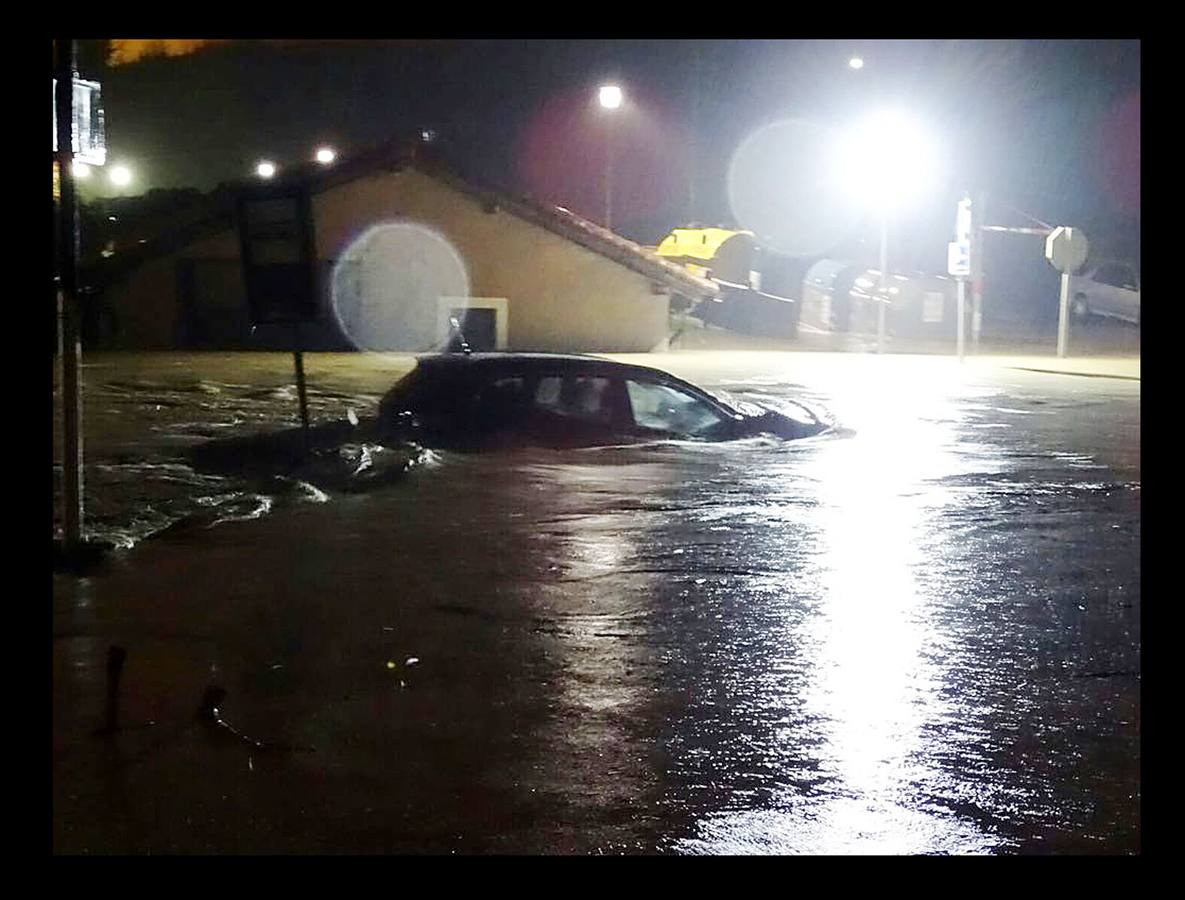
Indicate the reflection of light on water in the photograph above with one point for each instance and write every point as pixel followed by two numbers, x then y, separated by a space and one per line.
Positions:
pixel 874 683
pixel 873 688
pixel 589 616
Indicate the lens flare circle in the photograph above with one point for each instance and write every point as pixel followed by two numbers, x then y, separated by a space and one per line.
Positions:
pixel 388 287
pixel 780 188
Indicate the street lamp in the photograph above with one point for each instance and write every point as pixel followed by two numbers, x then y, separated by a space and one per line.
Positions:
pixel 265 169
pixel 120 176
pixel 883 161
pixel 326 155
pixel 610 97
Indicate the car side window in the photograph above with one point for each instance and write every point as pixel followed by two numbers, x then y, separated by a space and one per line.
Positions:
pixel 502 400
pixel 664 408
pixel 1108 275
pixel 584 397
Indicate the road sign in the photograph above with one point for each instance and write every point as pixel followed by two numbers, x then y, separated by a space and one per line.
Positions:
pixel 1066 248
pixel 958 258
pixel 279 269
pixel 963 222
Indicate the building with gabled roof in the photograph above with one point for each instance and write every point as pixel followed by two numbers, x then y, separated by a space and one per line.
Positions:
pixel 538 276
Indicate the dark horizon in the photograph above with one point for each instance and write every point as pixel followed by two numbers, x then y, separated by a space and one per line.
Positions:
pixel 1046 128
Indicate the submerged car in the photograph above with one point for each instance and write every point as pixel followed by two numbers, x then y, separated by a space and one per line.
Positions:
pixel 473 401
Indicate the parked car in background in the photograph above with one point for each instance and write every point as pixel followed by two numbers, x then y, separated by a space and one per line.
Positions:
pixel 1110 289
pixel 475 401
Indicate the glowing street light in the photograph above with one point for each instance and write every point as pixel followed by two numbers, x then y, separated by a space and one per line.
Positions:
pixel 883 161
pixel 856 62
pixel 326 155
pixel 80 170
pixel 265 169
pixel 610 97
pixel 120 176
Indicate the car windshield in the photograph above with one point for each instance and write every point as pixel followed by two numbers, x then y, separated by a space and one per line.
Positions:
pixel 664 408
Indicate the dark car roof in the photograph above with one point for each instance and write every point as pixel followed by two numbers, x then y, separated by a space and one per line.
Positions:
pixel 488 363
pixel 485 362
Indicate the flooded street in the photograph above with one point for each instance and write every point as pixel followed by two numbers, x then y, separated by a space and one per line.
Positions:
pixel 916 633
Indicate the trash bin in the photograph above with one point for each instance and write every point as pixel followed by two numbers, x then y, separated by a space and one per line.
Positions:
pixel 826 295
pixel 919 305
pixel 925 307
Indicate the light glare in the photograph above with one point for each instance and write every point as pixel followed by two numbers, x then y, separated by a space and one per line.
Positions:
pixel 265 169
pixel 81 170
pixel 121 176
pixel 610 96
pixel 326 155
pixel 856 63
pixel 886 159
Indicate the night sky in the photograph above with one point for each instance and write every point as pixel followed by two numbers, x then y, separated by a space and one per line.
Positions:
pixel 1050 128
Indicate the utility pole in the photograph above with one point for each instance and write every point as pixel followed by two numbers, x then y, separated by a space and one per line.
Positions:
pixel 609 177
pixel 70 341
pixel 693 142
pixel 979 216
pixel 884 285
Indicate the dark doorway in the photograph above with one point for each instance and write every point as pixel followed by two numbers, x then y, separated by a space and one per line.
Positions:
pixel 480 327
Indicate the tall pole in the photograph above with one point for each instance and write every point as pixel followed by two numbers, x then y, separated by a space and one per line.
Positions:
pixel 961 314
pixel 978 217
pixel 884 288
pixel 693 145
pixel 1063 316
pixel 609 176
pixel 68 316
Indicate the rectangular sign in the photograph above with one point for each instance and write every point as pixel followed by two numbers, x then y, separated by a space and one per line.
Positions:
pixel 89 139
pixel 933 303
pixel 963 222
pixel 958 258
pixel 276 236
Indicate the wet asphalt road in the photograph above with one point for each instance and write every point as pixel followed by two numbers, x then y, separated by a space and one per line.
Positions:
pixel 917 634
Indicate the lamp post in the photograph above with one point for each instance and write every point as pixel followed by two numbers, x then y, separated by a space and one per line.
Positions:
pixel 610 97
pixel 883 161
pixel 884 285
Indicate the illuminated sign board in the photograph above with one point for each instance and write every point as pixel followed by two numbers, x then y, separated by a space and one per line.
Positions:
pixel 89 141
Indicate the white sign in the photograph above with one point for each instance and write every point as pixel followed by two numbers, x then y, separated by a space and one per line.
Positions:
pixel 963 222
pixel 88 137
pixel 958 258
pixel 1066 248
pixel 932 306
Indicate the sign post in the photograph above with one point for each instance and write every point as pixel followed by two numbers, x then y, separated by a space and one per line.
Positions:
pixel 1066 250
pixel 70 346
pixel 958 264
pixel 276 235
pixel 977 254
pixel 884 283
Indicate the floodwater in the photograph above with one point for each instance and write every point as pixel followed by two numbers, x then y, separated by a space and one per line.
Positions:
pixel 919 633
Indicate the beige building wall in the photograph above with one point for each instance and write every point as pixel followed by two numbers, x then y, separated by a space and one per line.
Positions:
pixel 560 296
pixel 147 306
